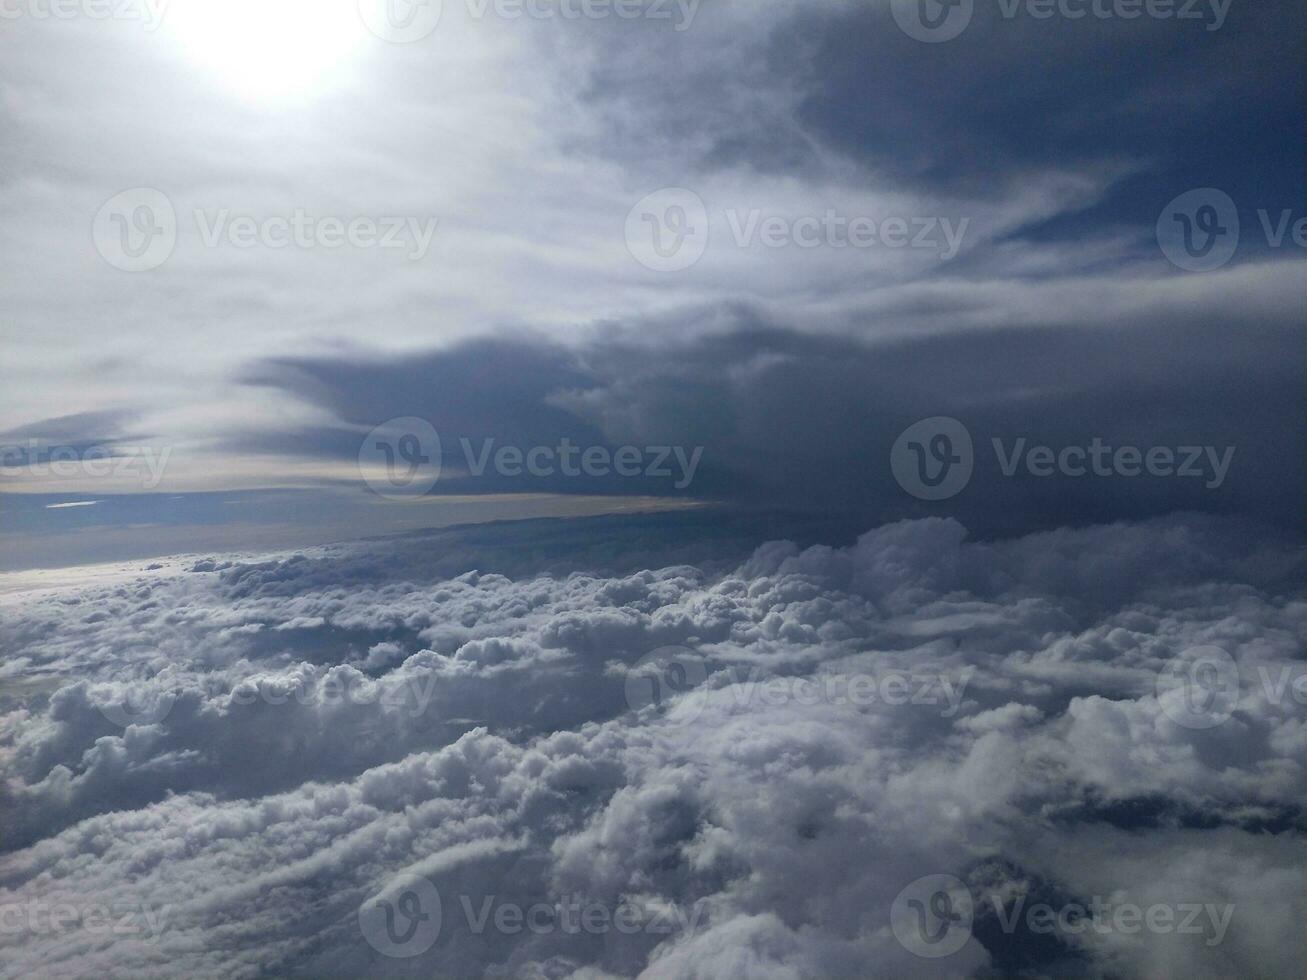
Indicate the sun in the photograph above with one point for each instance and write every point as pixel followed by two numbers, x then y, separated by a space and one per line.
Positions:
pixel 268 49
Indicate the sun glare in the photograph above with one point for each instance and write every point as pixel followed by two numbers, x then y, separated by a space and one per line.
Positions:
pixel 268 49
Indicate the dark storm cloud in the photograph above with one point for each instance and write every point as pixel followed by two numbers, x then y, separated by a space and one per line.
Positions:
pixel 1153 106
pixel 496 387
pixel 797 421
pixel 1011 95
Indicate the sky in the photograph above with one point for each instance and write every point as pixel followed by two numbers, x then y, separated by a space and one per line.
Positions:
pixel 350 225
pixel 652 488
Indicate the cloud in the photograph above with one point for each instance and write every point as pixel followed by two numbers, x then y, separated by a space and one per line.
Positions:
pixel 1058 141
pixel 789 420
pixel 309 726
pixel 736 737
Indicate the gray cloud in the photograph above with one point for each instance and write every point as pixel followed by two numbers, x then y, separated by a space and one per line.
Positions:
pixel 258 813
pixel 799 421
pixel 234 756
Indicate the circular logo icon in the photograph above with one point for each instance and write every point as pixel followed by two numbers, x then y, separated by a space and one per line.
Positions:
pixel 1199 688
pixel 932 21
pixel 667 231
pixel 136 230
pixel 401 458
pixel 140 700
pixel 932 916
pixel 1199 230
pixel 403 920
pixel 401 21
pixel 933 458
pixel 665 676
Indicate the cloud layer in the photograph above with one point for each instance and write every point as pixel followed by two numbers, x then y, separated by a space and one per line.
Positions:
pixel 466 707
pixel 1059 141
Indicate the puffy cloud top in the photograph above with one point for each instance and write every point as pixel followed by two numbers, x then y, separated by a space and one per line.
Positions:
pixel 744 762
